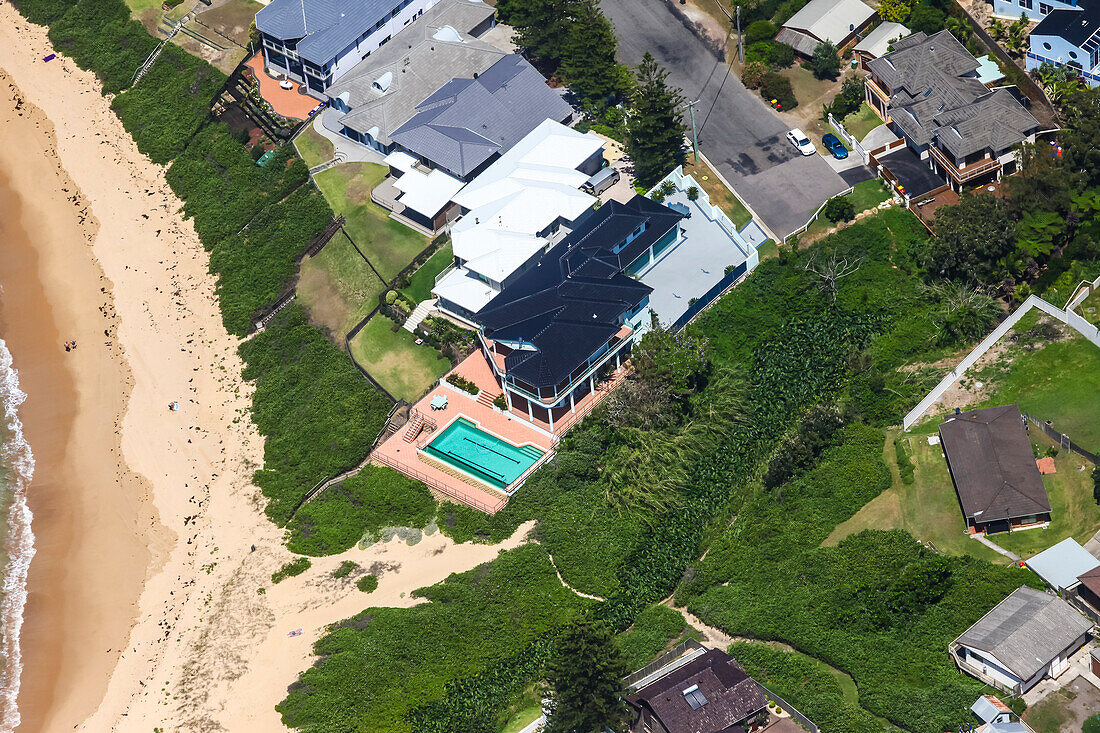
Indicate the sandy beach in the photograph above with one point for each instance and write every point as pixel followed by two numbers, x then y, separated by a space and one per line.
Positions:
pixel 145 606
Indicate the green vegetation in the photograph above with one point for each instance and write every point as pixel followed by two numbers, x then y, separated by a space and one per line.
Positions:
pixel 825 62
pixel 905 466
pixel 367 584
pixel 849 100
pixel 816 693
pixel 422 281
pixel 585 673
pixel 392 357
pixel 654 630
pixel 347 567
pixel 719 195
pixel 374 498
pixel 316 411
pixel 655 130
pixel 296 566
pixel 338 287
pixel 374 667
pixel 862 121
pixel 388 244
pixel 314 147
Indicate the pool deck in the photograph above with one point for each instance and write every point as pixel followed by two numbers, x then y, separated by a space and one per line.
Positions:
pixel 515 427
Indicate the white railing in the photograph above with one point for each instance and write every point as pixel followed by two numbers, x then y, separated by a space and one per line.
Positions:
pixel 849 138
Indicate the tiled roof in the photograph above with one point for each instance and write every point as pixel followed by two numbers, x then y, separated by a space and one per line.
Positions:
pixel 1026 631
pixel 467 121
pixel 571 302
pixel 992 464
pixel 936 94
pixel 326 26
pixel 1074 25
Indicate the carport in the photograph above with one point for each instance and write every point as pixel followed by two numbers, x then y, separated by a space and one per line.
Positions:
pixel 911 172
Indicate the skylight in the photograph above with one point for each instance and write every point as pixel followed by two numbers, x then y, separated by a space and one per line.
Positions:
pixel 694 697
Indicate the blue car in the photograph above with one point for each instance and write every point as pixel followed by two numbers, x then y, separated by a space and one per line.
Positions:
pixel 834 146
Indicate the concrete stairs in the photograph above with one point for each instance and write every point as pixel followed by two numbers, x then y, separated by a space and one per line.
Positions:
pixel 418 315
pixel 486 399
pixel 414 427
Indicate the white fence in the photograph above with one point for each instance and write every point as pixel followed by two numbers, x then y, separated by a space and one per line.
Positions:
pixel 849 139
pixel 1067 317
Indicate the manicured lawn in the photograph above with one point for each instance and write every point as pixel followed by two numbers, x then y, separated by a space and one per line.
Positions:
pixel 388 244
pixel 927 508
pixel 422 281
pixel 868 194
pixel 1090 308
pixel 768 248
pixel 338 288
pixel 1074 513
pixel 314 147
pixel 861 122
pixel 1059 382
pixel 719 195
pixel 527 714
pixel 403 368
pixel 137 7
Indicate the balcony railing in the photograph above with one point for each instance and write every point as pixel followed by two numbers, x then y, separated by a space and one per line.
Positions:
pixel 966 172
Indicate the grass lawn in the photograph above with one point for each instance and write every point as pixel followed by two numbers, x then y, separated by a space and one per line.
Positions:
pixel 864 195
pixel 422 281
pixel 1074 513
pixel 1059 382
pixel 403 368
pixel 137 7
pixel 1090 308
pixel 768 248
pixel 338 288
pixel 314 147
pixel 1066 709
pixel 861 122
pixel 388 244
pixel 927 508
pixel 719 195
pixel 524 712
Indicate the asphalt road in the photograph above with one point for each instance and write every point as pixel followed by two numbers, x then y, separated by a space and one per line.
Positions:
pixel 740 134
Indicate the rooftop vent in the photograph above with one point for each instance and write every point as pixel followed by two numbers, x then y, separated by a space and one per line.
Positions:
pixel 383 82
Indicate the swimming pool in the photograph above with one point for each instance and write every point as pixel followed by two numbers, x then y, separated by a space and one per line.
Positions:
pixel 486 457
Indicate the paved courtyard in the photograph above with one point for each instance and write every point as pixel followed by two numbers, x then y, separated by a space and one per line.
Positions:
pixel 694 266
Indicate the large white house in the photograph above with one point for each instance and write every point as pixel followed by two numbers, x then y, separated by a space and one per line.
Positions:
pixel 1068 36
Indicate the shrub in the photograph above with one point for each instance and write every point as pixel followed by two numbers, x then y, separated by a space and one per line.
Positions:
pixel 774 54
pixel 752 76
pixel 464 384
pixel 367 584
pixel 759 30
pixel 777 87
pixel 1096 484
pixel 374 498
pixel 347 567
pixel 652 631
pixel 905 464
pixel 500 402
pixel 292 568
pixel 657 195
pixel 668 188
pixel 839 209
pixel 692 193
pixel 825 62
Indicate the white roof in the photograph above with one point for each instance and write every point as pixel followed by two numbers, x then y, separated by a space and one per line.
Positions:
pixel 988 707
pixel 877 41
pixel 425 193
pixel 1061 564
pixel 462 288
pixel 830 20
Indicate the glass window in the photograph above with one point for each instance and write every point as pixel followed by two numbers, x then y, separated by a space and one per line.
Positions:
pixel 1044 9
pixel 1073 54
pixel 1046 46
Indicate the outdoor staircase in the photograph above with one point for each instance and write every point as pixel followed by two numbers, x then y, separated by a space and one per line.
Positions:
pixel 140 74
pixel 484 398
pixel 419 314
pixel 417 422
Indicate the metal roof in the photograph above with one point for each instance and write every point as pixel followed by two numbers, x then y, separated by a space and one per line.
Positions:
pixel 326 27
pixel 830 20
pixel 1026 631
pixel 1075 25
pixel 877 42
pixel 1062 564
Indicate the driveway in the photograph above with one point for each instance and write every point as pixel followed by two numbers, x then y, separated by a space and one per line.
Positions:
pixel 740 135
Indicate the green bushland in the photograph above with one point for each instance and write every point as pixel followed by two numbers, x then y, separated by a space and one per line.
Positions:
pixel 100 35
pixel 367 584
pixel 347 567
pixel 317 413
pixel 813 691
pixel 652 631
pixel 374 667
pixel 374 498
pixel 296 566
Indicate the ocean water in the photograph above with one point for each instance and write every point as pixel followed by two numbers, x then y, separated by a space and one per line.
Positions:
pixel 16 537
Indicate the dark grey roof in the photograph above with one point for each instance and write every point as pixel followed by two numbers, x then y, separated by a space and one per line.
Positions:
pixel 326 27
pixel 992 464
pixel 573 300
pixel 1075 26
pixel 802 43
pixel 418 64
pixel 936 96
pixel 731 695
pixel 467 121
pixel 1026 631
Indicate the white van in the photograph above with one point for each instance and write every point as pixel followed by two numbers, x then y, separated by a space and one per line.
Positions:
pixel 600 181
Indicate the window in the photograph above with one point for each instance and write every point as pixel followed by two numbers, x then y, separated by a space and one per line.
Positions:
pixel 694 697
pixel 1044 9
pixel 1046 46
pixel 1073 54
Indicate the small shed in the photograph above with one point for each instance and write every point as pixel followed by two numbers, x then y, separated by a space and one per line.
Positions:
pixel 877 42
pixel 1062 565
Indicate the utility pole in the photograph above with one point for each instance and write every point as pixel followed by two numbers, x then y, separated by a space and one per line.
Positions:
pixel 694 134
pixel 740 42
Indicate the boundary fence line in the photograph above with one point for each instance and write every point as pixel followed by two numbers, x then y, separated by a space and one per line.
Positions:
pixel 1062 439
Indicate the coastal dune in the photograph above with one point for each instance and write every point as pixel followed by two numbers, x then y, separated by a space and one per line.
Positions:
pixel 151 603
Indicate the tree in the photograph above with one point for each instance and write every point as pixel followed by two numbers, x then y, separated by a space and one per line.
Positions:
pixel 588 57
pixel 586 674
pixel 958 27
pixel 540 26
pixel 974 240
pixel 655 130
pixel 1016 39
pixel 1043 182
pixel 839 209
pixel 926 18
pixel 676 362
pixel 825 62
pixel 895 11
pixel 831 270
pixel 997 29
pixel 752 76
pixel 1037 232
pixel 1081 136
pixel 759 30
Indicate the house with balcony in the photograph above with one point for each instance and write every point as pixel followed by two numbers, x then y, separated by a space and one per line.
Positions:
pixel 1033 9
pixel 928 90
pixel 521 205
pixel 571 319
pixel 1068 36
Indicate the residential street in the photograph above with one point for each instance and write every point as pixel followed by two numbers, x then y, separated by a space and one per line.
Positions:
pixel 738 132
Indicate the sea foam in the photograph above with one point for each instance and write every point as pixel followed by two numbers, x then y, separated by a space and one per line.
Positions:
pixel 18 465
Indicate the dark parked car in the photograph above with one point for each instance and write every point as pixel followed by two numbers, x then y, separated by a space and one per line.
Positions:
pixel 834 146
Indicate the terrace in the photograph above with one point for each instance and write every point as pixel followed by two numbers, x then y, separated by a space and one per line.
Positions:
pixel 293 103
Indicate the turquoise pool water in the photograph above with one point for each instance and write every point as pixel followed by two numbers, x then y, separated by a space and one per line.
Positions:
pixel 496 462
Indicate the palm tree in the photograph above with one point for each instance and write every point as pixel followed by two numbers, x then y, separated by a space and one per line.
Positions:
pixel 997 29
